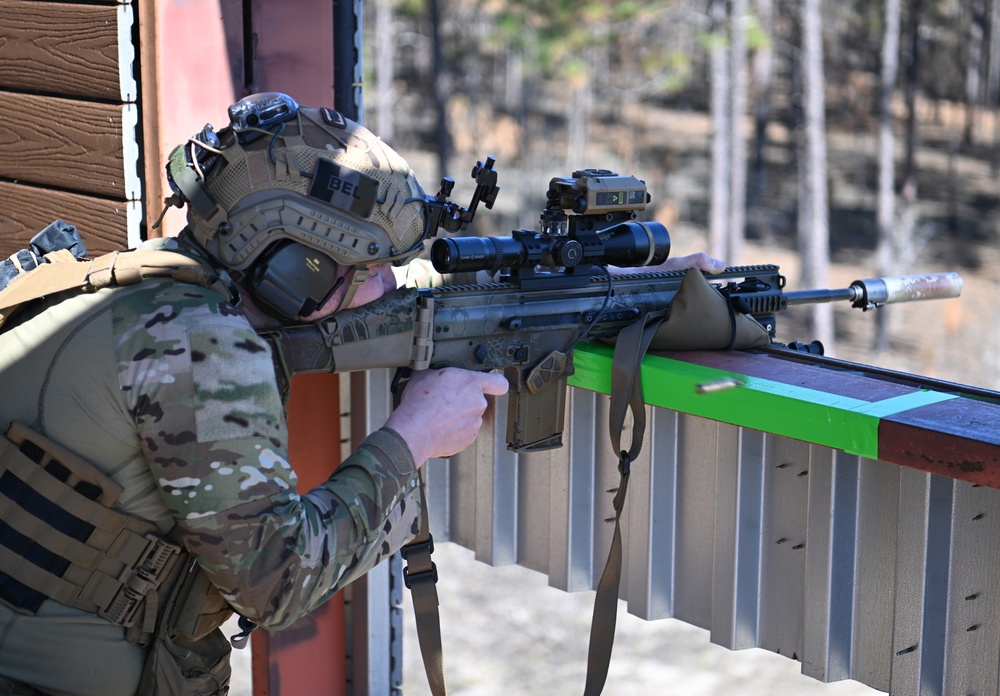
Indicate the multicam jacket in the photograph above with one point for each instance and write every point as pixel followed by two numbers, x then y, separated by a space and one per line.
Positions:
pixel 168 390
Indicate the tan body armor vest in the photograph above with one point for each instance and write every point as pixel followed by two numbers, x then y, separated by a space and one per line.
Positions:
pixel 56 514
pixel 61 538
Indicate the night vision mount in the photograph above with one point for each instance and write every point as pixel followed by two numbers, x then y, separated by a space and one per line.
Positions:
pixel 250 118
pixel 442 212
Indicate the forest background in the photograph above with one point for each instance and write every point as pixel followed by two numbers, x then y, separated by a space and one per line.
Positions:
pixel 839 140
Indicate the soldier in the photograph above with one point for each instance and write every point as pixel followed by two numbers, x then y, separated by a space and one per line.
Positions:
pixel 145 486
pixel 166 388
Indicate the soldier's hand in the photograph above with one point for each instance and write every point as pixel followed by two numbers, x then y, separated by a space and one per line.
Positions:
pixel 441 411
pixel 700 260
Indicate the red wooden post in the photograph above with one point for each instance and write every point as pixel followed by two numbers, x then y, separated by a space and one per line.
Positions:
pixel 310 656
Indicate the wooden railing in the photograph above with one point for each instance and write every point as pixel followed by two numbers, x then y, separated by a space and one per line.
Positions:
pixel 843 517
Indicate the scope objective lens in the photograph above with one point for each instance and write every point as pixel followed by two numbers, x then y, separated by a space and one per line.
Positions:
pixel 636 244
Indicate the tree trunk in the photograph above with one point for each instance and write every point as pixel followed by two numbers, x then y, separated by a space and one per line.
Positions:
pixel 513 94
pixel 912 71
pixel 816 227
pixel 442 90
pixel 886 213
pixel 763 67
pixel 384 56
pixel 909 218
pixel 721 133
pixel 738 106
pixel 576 118
pixel 993 83
pixel 973 69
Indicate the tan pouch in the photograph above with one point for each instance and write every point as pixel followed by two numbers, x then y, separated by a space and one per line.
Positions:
pixel 189 655
pixel 201 610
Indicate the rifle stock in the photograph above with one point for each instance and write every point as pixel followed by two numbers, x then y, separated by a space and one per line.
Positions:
pixel 529 333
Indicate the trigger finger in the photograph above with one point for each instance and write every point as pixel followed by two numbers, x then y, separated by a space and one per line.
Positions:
pixel 494 384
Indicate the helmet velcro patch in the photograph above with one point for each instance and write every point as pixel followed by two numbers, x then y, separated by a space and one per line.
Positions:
pixel 343 188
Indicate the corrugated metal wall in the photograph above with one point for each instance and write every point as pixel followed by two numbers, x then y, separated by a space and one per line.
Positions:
pixel 858 568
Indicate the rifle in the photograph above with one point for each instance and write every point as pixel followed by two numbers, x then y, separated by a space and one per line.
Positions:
pixel 554 290
pixel 529 334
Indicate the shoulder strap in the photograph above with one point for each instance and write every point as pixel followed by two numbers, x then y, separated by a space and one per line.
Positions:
pixel 116 268
pixel 626 394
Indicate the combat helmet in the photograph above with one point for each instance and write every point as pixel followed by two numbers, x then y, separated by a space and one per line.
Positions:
pixel 285 196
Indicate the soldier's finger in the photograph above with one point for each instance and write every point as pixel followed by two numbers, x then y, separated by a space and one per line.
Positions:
pixel 493 384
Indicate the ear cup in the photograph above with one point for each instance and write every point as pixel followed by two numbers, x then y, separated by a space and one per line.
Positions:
pixel 292 280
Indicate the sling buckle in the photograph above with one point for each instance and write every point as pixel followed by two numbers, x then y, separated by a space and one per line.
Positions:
pixel 409 578
pixel 419 547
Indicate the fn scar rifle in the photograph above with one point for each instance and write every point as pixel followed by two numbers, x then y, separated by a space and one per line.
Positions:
pixel 553 289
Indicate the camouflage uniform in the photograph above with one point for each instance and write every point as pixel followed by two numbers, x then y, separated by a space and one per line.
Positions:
pixel 169 391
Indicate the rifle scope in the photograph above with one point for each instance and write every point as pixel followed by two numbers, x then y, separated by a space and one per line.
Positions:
pixel 629 243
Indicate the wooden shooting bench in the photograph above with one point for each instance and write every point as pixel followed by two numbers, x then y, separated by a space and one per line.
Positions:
pixel 844 516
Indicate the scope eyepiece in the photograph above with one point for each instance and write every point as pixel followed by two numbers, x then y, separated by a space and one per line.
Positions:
pixel 472 254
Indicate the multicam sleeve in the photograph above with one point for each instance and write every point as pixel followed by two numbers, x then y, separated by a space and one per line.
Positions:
pixel 278 557
pixel 199 385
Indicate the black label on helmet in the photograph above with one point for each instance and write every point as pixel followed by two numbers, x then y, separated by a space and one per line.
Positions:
pixel 333 118
pixel 343 188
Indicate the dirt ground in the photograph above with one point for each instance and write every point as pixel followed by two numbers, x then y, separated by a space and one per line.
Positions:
pixel 505 631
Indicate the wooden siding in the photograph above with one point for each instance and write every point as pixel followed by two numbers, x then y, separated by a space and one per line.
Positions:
pixel 73 51
pixel 63 143
pixel 24 210
pixel 83 2
pixel 68 147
